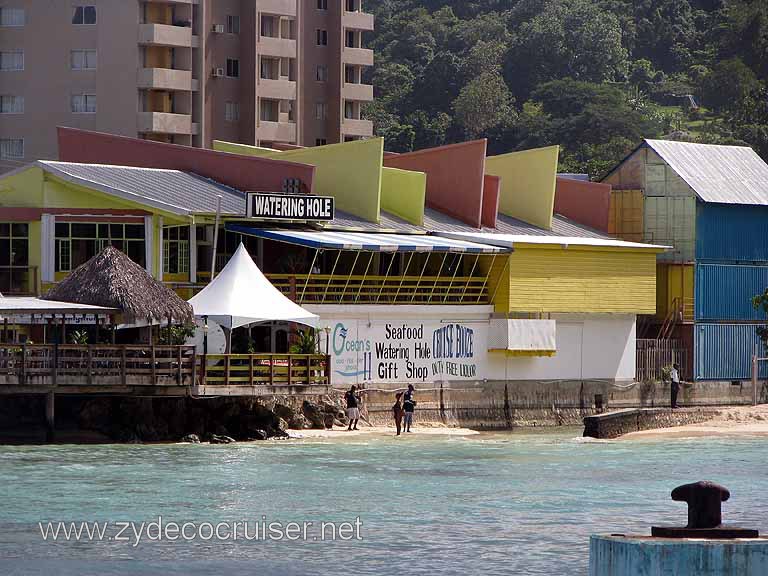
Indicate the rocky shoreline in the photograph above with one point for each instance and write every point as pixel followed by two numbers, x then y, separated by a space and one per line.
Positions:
pixel 139 420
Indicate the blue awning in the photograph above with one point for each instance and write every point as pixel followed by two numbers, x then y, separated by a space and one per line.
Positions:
pixel 369 242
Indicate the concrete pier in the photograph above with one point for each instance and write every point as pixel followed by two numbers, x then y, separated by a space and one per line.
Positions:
pixel 619 555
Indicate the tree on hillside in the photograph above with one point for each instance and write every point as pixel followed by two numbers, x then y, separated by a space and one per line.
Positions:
pixel 483 104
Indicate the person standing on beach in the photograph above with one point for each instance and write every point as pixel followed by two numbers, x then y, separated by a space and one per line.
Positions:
pixel 397 412
pixel 409 405
pixel 674 376
pixel 353 409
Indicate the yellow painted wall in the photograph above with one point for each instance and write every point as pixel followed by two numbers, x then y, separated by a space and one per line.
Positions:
pixel 22 189
pixel 350 171
pixel 675 281
pixel 625 218
pixel 576 279
pixel 403 193
pixel 528 182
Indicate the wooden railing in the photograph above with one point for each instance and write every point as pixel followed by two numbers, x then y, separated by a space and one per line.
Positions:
pixel 265 370
pixel 73 365
pixel 327 289
pixel 18 280
pixel 653 356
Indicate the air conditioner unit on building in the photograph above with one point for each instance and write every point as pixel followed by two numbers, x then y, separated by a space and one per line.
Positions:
pixel 218 29
pixel 217 72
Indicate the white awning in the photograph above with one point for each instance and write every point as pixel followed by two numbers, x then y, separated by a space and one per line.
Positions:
pixel 24 305
pixel 240 295
pixel 523 337
pixel 365 242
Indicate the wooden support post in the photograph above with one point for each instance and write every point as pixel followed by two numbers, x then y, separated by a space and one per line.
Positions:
pixel 328 370
pixel 178 374
pixel 226 370
pixel 55 365
pixel 271 370
pixel 23 374
pixel 5 330
pixel 290 369
pixel 309 370
pixel 250 369
pixel 203 368
pixel 123 367
pixel 154 365
pixel 89 366
pixel 50 421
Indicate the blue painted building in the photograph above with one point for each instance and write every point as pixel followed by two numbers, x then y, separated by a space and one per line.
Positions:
pixel 710 203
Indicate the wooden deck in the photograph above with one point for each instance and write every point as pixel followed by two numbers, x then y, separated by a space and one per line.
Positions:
pixel 155 371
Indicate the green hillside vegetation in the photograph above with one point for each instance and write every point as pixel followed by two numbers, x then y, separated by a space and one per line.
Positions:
pixel 595 76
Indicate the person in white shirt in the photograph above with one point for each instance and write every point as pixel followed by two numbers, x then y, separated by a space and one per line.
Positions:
pixel 674 376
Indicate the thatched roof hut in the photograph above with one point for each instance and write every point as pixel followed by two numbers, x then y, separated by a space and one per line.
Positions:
pixel 113 280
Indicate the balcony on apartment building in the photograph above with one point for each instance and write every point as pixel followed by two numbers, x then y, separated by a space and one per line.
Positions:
pixel 277 36
pixel 167 24
pixel 277 78
pixel 278 7
pixel 277 121
pixel 353 52
pixel 354 17
pixel 165 123
pixel 167 35
pixel 353 88
pixel 352 124
pixel 166 79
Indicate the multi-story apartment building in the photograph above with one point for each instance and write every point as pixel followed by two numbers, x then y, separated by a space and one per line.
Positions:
pixel 182 71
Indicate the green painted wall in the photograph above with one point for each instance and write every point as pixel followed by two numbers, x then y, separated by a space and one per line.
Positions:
pixel 350 171
pixel 528 182
pixel 403 193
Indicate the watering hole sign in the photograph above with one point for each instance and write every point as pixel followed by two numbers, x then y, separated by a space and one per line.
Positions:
pixel 289 206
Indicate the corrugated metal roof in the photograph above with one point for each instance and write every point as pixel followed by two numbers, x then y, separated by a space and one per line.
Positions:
pixel 723 174
pixel 171 190
pixel 509 240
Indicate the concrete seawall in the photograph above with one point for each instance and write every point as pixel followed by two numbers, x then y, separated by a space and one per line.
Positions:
pixel 620 422
pixel 497 405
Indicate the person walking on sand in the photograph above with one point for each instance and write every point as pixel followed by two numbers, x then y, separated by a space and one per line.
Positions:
pixel 674 376
pixel 353 409
pixel 397 412
pixel 409 405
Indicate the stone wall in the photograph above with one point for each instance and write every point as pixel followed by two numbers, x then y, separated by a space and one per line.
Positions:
pixel 615 424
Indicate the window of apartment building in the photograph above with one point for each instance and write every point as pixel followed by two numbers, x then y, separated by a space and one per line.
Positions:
pixel 269 26
pixel 83 59
pixel 321 142
pixel 286 107
pixel 11 16
pixel 233 67
pixel 322 37
pixel 233 24
pixel 353 5
pixel 322 4
pixel 14 244
pixel 10 104
pixel 176 250
pixel 288 68
pixel 11 60
pixel 268 110
pixel 83 103
pixel 321 73
pixel 232 111
pixel 78 242
pixel 321 111
pixel 12 148
pixel 351 39
pixel 351 75
pixel 84 15
pixel 349 110
pixel 270 68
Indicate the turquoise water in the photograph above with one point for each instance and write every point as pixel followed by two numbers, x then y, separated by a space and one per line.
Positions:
pixel 514 503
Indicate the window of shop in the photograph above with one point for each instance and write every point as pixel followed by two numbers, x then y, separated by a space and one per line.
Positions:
pixel 78 242
pixel 176 250
pixel 14 244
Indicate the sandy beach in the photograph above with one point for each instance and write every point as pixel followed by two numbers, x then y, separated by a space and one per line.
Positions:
pixel 735 421
pixel 424 429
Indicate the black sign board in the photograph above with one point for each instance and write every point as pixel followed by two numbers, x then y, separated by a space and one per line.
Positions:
pixel 289 206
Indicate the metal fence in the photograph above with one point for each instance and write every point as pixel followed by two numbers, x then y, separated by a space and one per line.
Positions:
pixel 655 355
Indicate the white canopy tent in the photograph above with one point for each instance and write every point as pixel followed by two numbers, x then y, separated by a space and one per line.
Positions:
pixel 241 295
